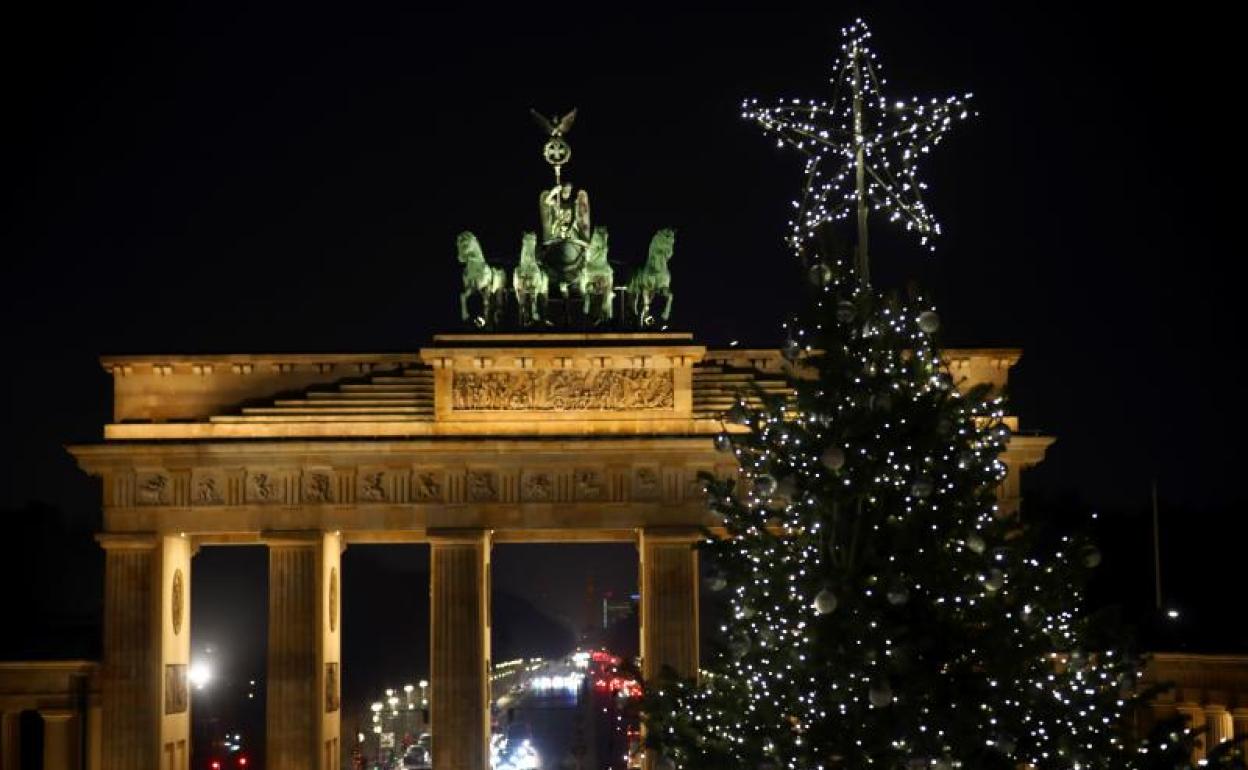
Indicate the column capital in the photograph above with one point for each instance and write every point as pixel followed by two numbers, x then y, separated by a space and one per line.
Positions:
pixel 57 715
pixel 127 540
pixel 457 536
pixel 292 537
pixel 670 534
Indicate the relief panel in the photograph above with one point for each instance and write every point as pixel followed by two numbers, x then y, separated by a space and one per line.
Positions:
pixel 208 487
pixel 537 486
pixel 598 390
pixel 428 486
pixel 265 487
pixel 153 488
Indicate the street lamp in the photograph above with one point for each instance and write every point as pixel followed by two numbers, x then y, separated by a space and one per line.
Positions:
pixel 200 674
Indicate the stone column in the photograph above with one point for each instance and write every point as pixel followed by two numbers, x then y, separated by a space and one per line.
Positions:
pixel 145 702
pixel 329 624
pixel 10 740
pixel 1218 719
pixel 1239 721
pixel 668 576
pixel 60 739
pixel 459 647
pixel 304 669
pixel 95 737
pixel 1195 720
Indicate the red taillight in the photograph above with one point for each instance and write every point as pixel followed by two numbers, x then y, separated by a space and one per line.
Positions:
pixel 215 765
pixel 242 761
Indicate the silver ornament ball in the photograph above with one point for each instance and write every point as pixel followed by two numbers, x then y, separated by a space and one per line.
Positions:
pixel 929 322
pixel 898 595
pixel 820 275
pixel 995 581
pixel 833 458
pixel 765 485
pixel 825 602
pixel 880 694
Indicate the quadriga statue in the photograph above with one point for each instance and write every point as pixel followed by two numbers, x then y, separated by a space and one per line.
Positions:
pixel 489 283
pixel 599 280
pixel 651 283
pixel 530 283
pixel 565 237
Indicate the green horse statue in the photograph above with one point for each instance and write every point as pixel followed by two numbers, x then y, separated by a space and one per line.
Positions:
pixel 530 283
pixel 652 282
pixel 598 280
pixel 480 278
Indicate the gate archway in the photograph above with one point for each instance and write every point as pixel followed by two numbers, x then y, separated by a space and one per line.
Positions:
pixel 476 440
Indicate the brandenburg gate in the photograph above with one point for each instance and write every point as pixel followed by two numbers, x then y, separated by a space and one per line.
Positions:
pixel 540 435
pixel 477 439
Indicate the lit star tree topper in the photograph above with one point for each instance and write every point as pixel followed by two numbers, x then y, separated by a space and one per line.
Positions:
pixel 861 149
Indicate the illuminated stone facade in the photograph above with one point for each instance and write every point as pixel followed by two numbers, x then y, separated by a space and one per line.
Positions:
pixel 475 440
pixel 1211 691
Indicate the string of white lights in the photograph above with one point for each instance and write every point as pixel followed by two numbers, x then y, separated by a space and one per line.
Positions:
pixel 861 148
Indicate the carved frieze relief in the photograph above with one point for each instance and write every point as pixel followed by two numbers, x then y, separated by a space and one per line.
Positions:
pixel 318 486
pixel 208 488
pixel 331 687
pixel 176 601
pixel 265 487
pixel 176 700
pixel 333 598
pixel 537 486
pixel 695 488
pixel 428 486
pixel 482 486
pixel 153 488
pixel 611 390
pixel 374 487
pixel 647 482
pixel 589 484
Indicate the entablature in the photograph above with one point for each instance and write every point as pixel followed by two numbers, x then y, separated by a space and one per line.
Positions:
pixel 546 384
pixel 406 485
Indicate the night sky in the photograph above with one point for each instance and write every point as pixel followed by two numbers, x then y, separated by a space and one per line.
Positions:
pixel 218 178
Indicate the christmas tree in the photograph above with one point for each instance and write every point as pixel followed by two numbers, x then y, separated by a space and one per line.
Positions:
pixel 883 611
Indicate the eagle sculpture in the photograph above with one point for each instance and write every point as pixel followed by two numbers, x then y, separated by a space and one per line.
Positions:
pixel 554 125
